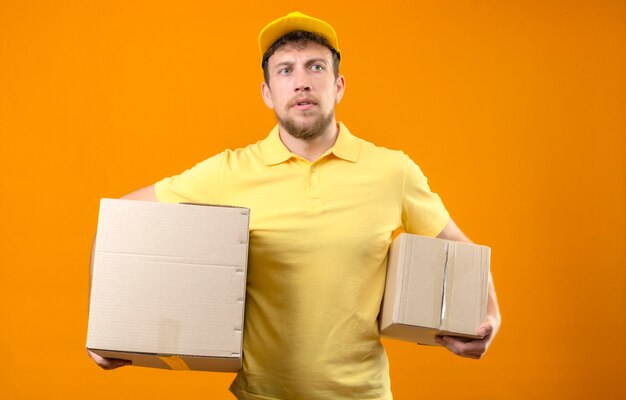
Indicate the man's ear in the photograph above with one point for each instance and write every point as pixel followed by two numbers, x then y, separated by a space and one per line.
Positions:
pixel 340 86
pixel 266 93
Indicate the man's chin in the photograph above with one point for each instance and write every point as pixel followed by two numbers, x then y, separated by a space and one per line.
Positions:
pixel 303 131
pixel 306 130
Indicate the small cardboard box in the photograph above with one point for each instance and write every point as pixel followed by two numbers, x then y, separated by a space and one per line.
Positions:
pixel 168 285
pixel 434 287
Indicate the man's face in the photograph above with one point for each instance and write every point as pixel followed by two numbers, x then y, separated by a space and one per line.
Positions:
pixel 303 90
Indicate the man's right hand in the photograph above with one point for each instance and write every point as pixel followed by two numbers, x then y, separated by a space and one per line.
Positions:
pixel 108 363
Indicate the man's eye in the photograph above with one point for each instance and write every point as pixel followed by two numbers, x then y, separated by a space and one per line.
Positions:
pixel 283 71
pixel 317 67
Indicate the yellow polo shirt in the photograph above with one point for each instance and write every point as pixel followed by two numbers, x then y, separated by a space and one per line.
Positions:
pixel 319 235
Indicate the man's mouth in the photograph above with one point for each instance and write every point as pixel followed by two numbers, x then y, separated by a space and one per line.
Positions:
pixel 303 104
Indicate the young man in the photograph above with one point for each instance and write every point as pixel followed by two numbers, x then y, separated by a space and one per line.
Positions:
pixel 324 204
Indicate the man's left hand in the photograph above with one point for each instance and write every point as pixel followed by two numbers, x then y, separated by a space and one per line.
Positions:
pixel 473 348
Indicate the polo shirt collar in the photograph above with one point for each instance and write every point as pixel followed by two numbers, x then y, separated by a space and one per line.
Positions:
pixel 273 150
pixel 346 147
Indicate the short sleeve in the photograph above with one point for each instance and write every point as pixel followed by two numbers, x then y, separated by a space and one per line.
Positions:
pixel 423 212
pixel 199 184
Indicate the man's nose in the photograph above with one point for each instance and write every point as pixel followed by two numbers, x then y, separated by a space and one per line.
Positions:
pixel 303 88
pixel 301 81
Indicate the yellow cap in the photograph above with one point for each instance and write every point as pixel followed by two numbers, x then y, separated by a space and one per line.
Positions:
pixel 295 21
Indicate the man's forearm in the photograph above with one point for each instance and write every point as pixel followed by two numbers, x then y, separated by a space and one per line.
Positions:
pixel 493 310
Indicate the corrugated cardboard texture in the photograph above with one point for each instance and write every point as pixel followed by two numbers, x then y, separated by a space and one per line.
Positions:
pixel 467 275
pixel 434 286
pixel 169 279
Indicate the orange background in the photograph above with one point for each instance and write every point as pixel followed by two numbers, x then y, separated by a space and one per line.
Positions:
pixel 514 110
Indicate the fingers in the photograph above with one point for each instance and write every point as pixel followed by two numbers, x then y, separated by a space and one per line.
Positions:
pixel 486 328
pixel 473 349
pixel 470 348
pixel 108 363
pixel 113 363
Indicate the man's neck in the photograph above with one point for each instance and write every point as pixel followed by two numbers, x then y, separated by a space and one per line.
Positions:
pixel 310 149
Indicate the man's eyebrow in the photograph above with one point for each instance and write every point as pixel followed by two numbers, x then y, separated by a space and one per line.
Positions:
pixel 308 62
pixel 283 64
pixel 317 60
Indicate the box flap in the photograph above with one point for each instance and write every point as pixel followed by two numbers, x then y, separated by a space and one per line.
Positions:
pixel 467 274
pixel 422 285
pixel 180 232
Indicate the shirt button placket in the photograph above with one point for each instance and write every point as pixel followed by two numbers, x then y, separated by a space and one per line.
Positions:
pixel 313 190
pixel 315 179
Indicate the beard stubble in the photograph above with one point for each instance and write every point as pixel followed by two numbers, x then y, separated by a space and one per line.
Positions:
pixel 307 132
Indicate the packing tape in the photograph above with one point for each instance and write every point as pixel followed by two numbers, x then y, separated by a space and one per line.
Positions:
pixel 444 293
pixel 175 363
pixel 168 343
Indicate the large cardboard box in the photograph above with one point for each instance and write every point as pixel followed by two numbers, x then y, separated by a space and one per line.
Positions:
pixel 168 285
pixel 434 287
